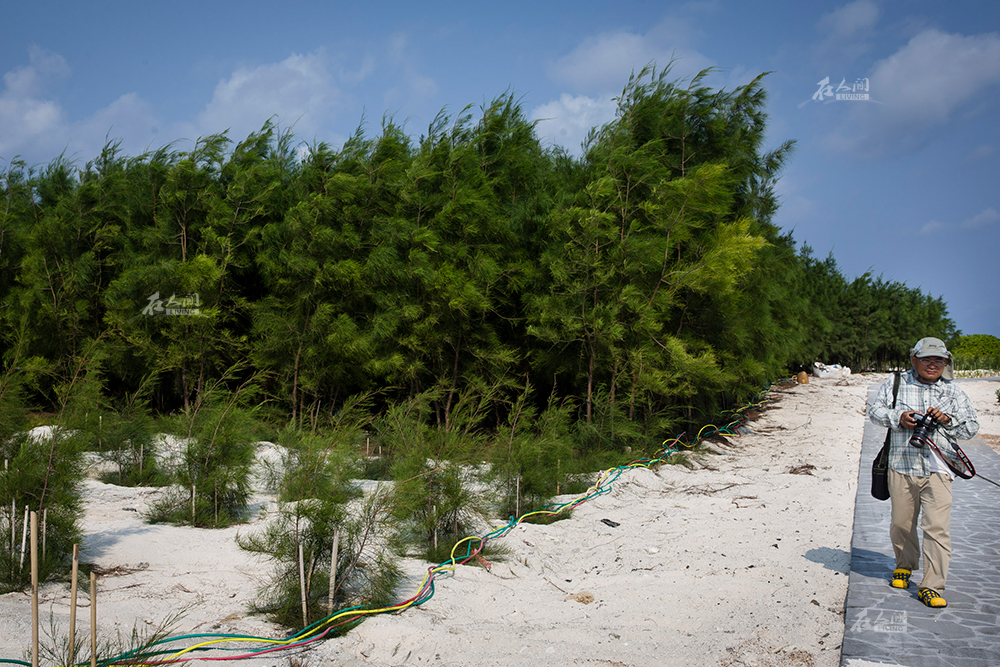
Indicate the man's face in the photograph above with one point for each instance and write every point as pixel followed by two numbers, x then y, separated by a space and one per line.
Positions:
pixel 929 369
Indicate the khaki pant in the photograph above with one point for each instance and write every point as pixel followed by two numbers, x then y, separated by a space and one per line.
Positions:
pixel 931 497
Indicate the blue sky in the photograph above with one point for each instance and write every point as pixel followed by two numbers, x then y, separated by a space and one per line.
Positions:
pixel 903 185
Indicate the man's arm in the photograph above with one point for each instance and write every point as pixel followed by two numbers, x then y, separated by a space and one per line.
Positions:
pixel 962 424
pixel 881 411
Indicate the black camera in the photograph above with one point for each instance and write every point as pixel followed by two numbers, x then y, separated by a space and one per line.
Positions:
pixel 926 426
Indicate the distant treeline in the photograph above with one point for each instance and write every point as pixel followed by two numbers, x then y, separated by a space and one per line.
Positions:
pixel 643 280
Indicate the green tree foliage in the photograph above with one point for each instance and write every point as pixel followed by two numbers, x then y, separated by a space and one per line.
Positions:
pixel 438 500
pixel 976 345
pixel 650 294
pixel 490 290
pixel 43 470
pixel 213 482
pixel 532 455
pixel 324 514
pixel 868 323
pixel 976 351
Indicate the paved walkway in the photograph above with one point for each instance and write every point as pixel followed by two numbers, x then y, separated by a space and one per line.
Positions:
pixel 891 626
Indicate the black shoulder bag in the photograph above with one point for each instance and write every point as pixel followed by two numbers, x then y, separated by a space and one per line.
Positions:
pixel 880 466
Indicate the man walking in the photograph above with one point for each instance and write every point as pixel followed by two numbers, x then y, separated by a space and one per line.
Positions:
pixel 919 479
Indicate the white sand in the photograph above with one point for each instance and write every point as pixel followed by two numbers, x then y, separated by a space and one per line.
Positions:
pixel 740 562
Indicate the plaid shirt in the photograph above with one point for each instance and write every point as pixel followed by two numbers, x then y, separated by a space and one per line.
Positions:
pixel 915 395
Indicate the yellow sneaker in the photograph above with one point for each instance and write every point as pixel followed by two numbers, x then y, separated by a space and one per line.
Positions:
pixel 931 598
pixel 900 578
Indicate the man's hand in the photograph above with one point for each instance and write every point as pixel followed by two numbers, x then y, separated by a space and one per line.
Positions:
pixel 907 421
pixel 942 418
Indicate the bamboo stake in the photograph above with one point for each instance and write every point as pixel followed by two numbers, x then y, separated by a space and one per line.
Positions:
pixel 24 536
pixel 517 496
pixel 34 589
pixel 72 602
pixel 93 619
pixel 309 573
pixel 333 570
pixel 302 588
pixel 13 518
pixel 192 504
pixel 45 523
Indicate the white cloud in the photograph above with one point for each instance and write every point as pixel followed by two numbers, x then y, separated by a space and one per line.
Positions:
pixel 985 218
pixel 795 207
pixel 933 227
pixel 981 152
pixel 299 90
pixel 600 66
pixel 936 73
pixel 412 88
pixel 303 90
pixel 847 32
pixel 31 79
pixel 565 122
pixel 603 63
pixel 926 83
pixel 129 118
pixel 982 219
pixel 35 126
pixel 849 20
pixel 29 116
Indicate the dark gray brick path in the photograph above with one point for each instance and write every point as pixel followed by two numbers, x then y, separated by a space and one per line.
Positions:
pixel 889 625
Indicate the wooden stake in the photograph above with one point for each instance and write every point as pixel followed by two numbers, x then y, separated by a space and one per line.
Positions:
pixel 309 573
pixel 34 589
pixel 517 496
pixel 72 602
pixel 24 536
pixel 302 588
pixel 93 620
pixel 333 570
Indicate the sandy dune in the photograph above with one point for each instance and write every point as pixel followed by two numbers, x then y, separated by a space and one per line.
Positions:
pixel 741 561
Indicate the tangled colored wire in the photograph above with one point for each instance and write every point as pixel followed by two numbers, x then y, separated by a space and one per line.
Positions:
pixel 251 646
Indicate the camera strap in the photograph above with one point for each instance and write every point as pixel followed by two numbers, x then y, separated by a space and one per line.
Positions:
pixel 957 461
pixel 895 392
pixel 882 459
